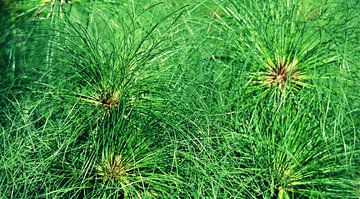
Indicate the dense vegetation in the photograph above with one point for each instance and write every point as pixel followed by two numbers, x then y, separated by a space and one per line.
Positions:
pixel 180 99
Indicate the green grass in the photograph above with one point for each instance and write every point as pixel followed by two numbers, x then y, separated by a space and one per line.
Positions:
pixel 180 99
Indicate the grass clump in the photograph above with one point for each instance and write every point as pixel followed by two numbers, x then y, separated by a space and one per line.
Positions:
pixel 299 160
pixel 282 51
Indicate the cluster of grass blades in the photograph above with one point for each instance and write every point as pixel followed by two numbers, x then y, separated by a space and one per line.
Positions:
pixel 282 50
pixel 294 159
pixel 179 99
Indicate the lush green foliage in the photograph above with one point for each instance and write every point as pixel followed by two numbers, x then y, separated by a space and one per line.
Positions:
pixel 180 99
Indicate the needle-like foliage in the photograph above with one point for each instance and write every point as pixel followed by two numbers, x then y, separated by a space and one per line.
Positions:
pixel 179 99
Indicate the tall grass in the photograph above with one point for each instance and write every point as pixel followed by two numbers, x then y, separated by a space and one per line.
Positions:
pixel 180 99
